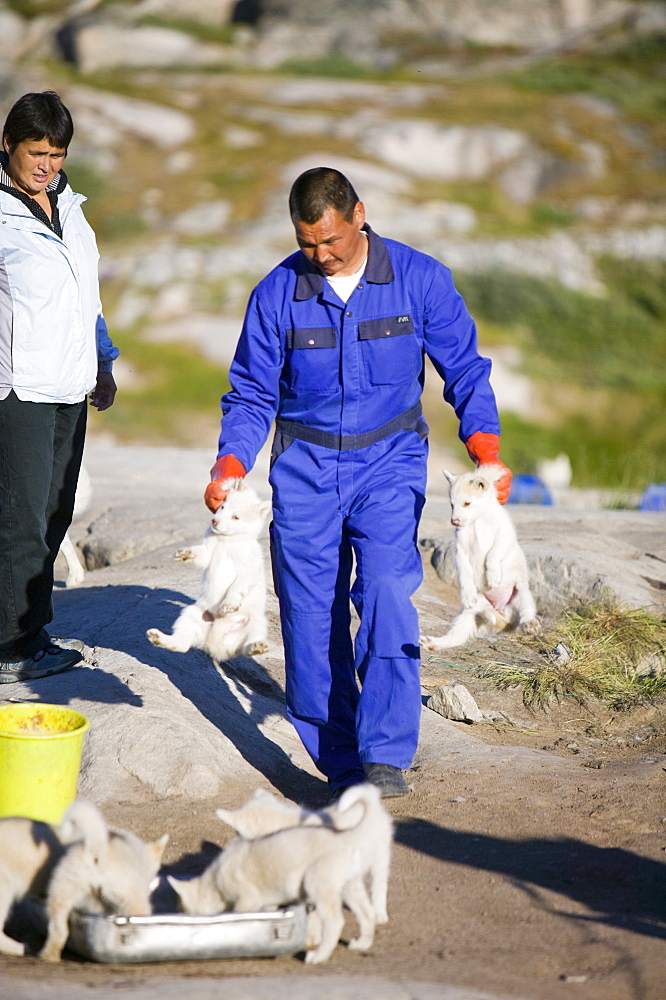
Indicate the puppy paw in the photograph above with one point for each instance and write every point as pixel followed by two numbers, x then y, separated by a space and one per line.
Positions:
pixel 532 627
pixel 48 954
pixel 381 917
pixel 166 641
pixel 184 555
pixel 362 943
pixel 228 609
pixel 255 649
pixel 8 946
pixel 155 636
pixel 434 643
pixel 315 957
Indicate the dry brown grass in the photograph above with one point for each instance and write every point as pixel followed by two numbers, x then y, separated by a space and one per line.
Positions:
pixel 613 654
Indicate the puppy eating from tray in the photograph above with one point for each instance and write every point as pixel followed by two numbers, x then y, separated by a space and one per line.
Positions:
pixel 490 565
pixel 289 854
pixel 82 864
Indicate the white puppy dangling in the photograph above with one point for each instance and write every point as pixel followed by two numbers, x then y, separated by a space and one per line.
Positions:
pixel 490 564
pixel 229 616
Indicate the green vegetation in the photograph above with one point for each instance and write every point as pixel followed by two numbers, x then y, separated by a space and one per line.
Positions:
pixel 611 341
pixel 173 395
pixel 328 65
pixel 222 34
pixel 35 8
pixel 600 362
pixel 630 75
pixel 616 655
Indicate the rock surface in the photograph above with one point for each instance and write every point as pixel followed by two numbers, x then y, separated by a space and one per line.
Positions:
pixel 454 701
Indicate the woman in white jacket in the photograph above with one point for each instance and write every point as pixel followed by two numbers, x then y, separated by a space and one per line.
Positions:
pixel 54 351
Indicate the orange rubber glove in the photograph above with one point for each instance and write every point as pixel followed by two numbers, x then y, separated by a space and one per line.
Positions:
pixel 226 467
pixel 484 450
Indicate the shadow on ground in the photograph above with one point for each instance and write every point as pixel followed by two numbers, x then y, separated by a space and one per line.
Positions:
pixel 237 697
pixel 622 889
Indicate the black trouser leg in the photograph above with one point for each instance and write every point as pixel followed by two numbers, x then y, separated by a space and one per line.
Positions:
pixel 41 446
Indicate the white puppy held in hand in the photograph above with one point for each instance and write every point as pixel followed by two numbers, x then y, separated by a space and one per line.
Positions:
pixel 490 565
pixel 229 616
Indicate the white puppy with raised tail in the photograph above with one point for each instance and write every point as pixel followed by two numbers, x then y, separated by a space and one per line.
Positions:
pixel 490 565
pixel 322 858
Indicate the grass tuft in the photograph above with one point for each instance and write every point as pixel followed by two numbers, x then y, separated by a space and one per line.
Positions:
pixel 617 656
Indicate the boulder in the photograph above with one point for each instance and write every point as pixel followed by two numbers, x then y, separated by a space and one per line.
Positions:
pixel 454 701
pixel 202 219
pixel 103 45
pixel 122 533
pixel 446 153
pixel 13 32
pixel 156 123
pixel 214 12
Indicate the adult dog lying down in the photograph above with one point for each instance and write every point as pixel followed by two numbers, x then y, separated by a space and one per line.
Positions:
pixel 320 857
pixel 82 864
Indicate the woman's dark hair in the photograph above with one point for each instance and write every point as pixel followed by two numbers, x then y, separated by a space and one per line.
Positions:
pixel 39 116
pixel 317 190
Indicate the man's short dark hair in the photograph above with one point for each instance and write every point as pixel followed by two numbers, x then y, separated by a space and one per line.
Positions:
pixel 39 116
pixel 319 189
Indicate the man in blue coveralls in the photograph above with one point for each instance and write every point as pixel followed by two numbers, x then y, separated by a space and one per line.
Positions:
pixel 333 347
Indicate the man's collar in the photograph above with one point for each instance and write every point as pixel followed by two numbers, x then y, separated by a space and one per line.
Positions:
pixel 379 270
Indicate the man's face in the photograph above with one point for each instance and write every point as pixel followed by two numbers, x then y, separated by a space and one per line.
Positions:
pixel 33 163
pixel 335 246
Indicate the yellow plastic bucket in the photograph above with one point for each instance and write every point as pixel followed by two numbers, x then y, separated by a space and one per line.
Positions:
pixel 40 757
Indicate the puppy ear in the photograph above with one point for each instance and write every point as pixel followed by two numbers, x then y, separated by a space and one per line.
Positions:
pixel 156 848
pixel 448 475
pixel 227 816
pixel 263 793
pixel 265 508
pixel 479 483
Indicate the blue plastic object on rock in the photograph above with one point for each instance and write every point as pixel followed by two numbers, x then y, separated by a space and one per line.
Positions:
pixel 653 497
pixel 530 489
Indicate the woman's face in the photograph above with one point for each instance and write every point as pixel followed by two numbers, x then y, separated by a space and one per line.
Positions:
pixel 33 163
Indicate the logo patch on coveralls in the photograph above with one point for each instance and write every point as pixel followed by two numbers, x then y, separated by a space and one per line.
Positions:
pixel 390 326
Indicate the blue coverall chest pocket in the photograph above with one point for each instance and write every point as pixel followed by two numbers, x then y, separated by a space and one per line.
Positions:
pixel 390 350
pixel 311 361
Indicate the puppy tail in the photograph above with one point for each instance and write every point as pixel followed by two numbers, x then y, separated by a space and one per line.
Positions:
pixel 353 806
pixel 84 822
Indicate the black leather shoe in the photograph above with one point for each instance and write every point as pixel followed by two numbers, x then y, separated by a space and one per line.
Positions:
pixel 387 778
pixel 50 660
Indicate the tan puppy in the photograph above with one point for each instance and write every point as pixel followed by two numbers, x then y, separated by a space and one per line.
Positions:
pixel 265 813
pixel 80 865
pixel 323 861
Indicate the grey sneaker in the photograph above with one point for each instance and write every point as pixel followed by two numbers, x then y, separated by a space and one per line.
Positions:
pixel 387 778
pixel 77 644
pixel 50 660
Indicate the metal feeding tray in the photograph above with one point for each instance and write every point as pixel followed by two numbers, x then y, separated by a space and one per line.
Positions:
pixel 173 937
